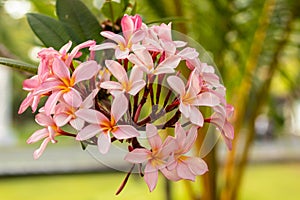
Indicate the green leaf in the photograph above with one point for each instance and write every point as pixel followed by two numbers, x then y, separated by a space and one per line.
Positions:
pixel 50 31
pixel 113 10
pixel 79 22
pixel 19 65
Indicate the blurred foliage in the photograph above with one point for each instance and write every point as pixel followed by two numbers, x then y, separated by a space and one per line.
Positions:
pixel 254 43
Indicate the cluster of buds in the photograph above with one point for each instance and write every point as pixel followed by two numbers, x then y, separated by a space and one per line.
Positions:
pixel 139 90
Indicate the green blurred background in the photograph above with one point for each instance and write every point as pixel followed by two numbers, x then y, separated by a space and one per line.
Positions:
pixel 255 45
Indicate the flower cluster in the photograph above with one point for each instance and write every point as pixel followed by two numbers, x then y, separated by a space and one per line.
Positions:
pixel 139 90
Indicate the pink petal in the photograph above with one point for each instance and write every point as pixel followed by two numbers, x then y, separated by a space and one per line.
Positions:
pixel 103 46
pixel 77 123
pixel 136 87
pixel 111 85
pixel 190 138
pixel 127 26
pixel 228 130
pixel 51 102
pixel 170 174
pixel 180 135
pixel 138 155
pixel 62 119
pixel 121 54
pixel 104 143
pixel 153 138
pixel 188 53
pixel 184 171
pixel 135 60
pixel 196 116
pixel 38 135
pixel 89 100
pixel 163 70
pixel 176 84
pixel 73 98
pixel 91 116
pixel 184 109
pixel 44 120
pixel 60 69
pixel 144 56
pixel 117 70
pixel 112 36
pixel 171 62
pixel 196 165
pixel 37 153
pixel 85 71
pixel 119 107
pixel 168 147
pixel 125 132
pixel 137 36
pixel 88 132
pixel 207 99
pixel 64 49
pixel 136 74
pixel 151 176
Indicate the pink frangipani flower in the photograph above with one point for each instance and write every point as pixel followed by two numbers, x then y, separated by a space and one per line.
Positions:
pixel 220 119
pixel 99 123
pixel 191 98
pixel 143 59
pixel 62 85
pixel 156 158
pixel 132 35
pixel 48 133
pixel 186 167
pixel 65 113
pixel 132 85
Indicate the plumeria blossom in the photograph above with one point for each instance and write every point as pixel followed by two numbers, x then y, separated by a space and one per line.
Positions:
pixel 48 133
pixel 142 59
pixel 99 100
pixel 132 35
pixel 62 85
pixel 186 167
pixel 156 158
pixel 65 113
pixel 99 123
pixel 130 85
pixel 220 119
pixel 191 98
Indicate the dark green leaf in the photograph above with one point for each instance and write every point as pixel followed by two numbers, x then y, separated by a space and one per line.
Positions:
pixel 50 31
pixel 113 10
pixel 80 23
pixel 19 65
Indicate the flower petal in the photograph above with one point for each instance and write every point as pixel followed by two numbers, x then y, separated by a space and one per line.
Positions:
pixel 104 143
pixel 51 102
pixel 153 138
pixel 136 87
pixel 38 152
pixel 91 116
pixel 112 36
pixel 119 106
pixel 151 176
pixel 176 84
pixel 196 116
pixel 196 165
pixel 138 155
pixel 60 69
pixel 62 119
pixel 111 85
pixel 73 98
pixel 107 45
pixel 85 71
pixel 184 171
pixel 38 135
pixel 125 132
pixel 88 132
pixel 117 71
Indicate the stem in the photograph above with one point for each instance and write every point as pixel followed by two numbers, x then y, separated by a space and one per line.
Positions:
pixel 125 180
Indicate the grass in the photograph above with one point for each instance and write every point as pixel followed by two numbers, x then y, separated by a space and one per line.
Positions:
pixel 262 182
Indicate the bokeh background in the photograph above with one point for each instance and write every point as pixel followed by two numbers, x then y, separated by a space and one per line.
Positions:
pixel 255 45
